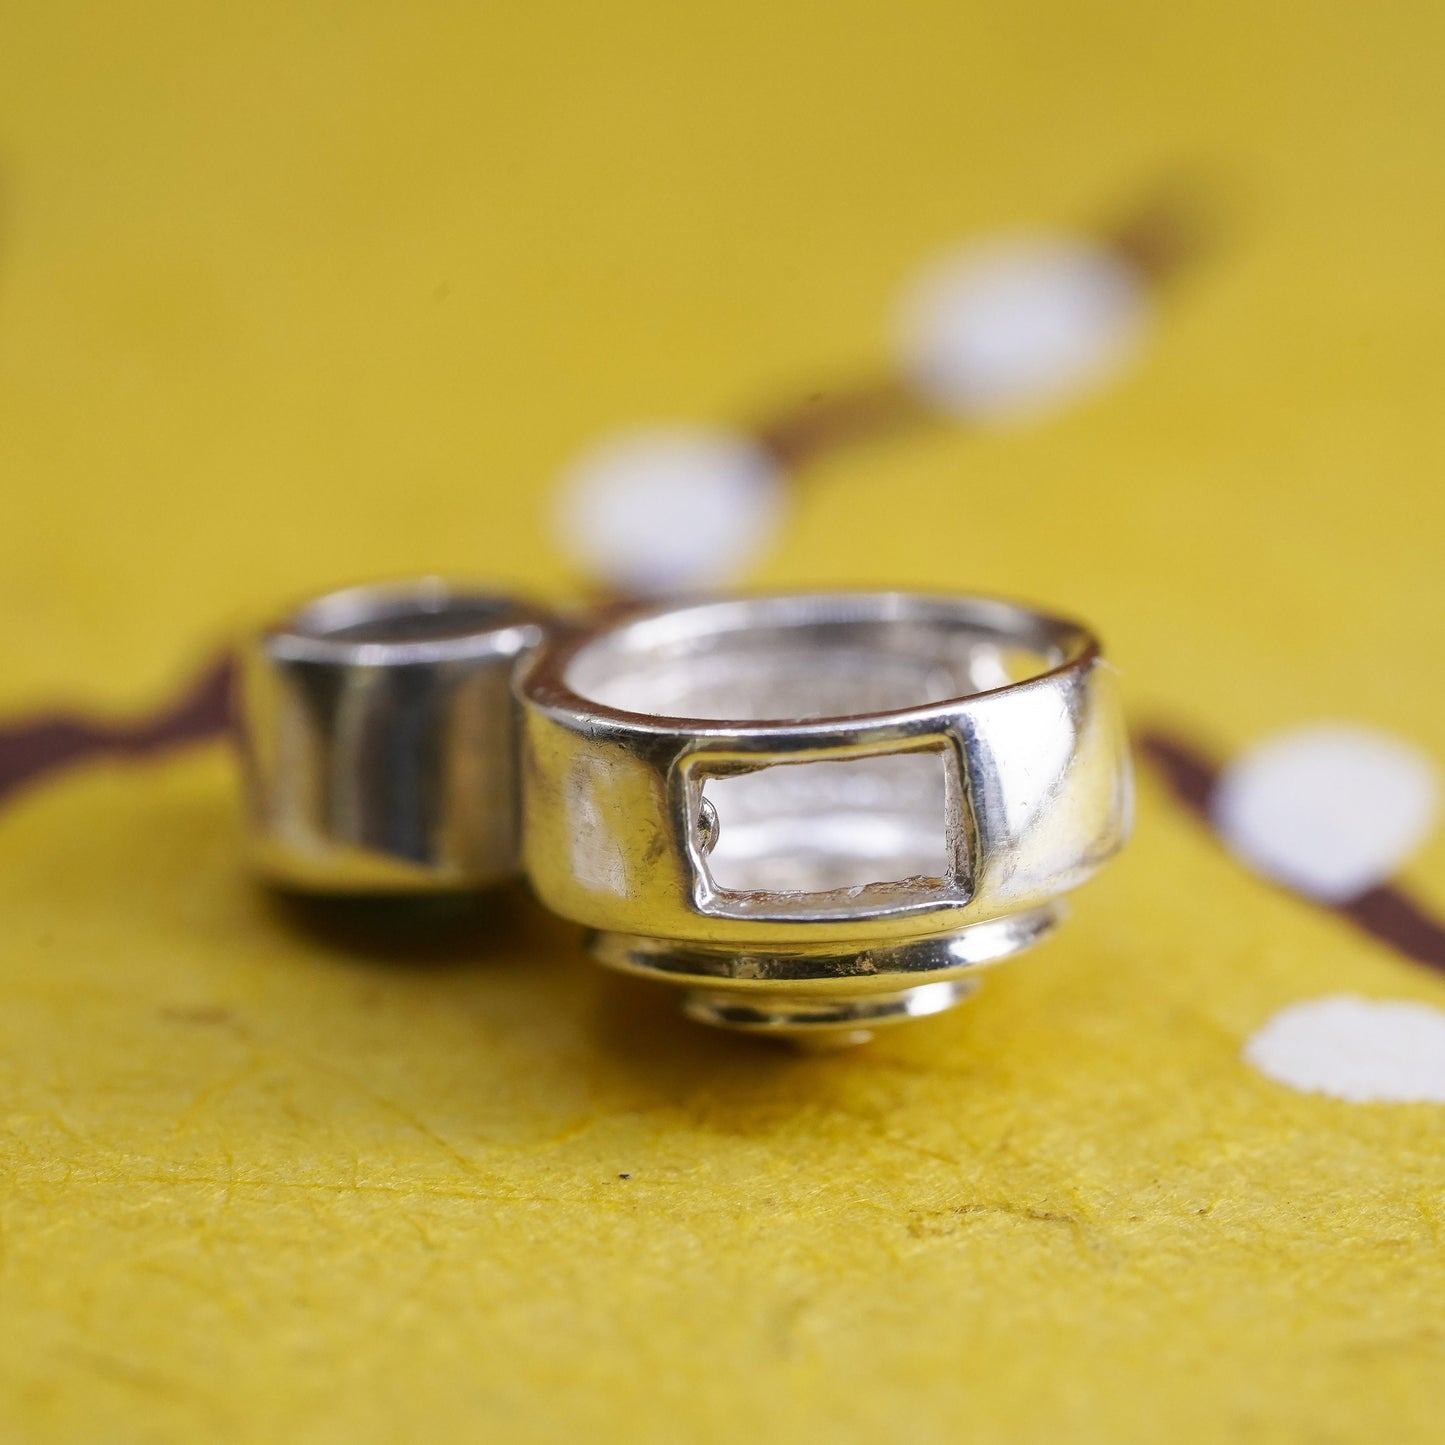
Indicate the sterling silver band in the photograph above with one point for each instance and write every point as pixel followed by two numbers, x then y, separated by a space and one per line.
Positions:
pixel 819 812
pixel 376 729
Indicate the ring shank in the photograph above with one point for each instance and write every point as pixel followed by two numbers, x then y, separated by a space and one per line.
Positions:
pixel 1022 771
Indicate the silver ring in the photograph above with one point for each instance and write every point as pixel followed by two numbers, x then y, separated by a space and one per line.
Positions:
pixel 819 813
pixel 378 739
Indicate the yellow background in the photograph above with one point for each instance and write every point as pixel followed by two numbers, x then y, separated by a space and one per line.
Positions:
pixel 292 294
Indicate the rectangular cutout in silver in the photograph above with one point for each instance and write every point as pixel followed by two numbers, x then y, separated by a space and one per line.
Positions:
pixel 820 834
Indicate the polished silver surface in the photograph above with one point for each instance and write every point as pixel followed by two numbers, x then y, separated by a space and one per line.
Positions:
pixel 824 812
pixel 378 740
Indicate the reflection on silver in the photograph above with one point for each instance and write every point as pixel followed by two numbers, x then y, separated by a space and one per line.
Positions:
pixel 819 813
pixel 378 742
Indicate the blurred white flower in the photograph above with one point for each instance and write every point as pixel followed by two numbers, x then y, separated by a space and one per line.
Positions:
pixel 1353 1049
pixel 1330 810
pixel 1006 330
pixel 669 510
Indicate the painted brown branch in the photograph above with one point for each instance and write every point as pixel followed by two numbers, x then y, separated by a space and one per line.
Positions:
pixel 1159 236
pixel 1164 234
pixel 1391 915
pixel 1169 230
pixel 1386 913
pixel 828 420
pixel 33 748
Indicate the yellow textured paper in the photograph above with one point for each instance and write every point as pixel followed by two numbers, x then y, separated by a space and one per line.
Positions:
pixel 293 294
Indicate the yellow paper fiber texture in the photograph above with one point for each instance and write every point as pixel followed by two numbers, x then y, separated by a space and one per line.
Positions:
pixel 293 294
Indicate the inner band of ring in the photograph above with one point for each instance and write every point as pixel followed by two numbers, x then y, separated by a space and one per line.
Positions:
pixel 604 673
